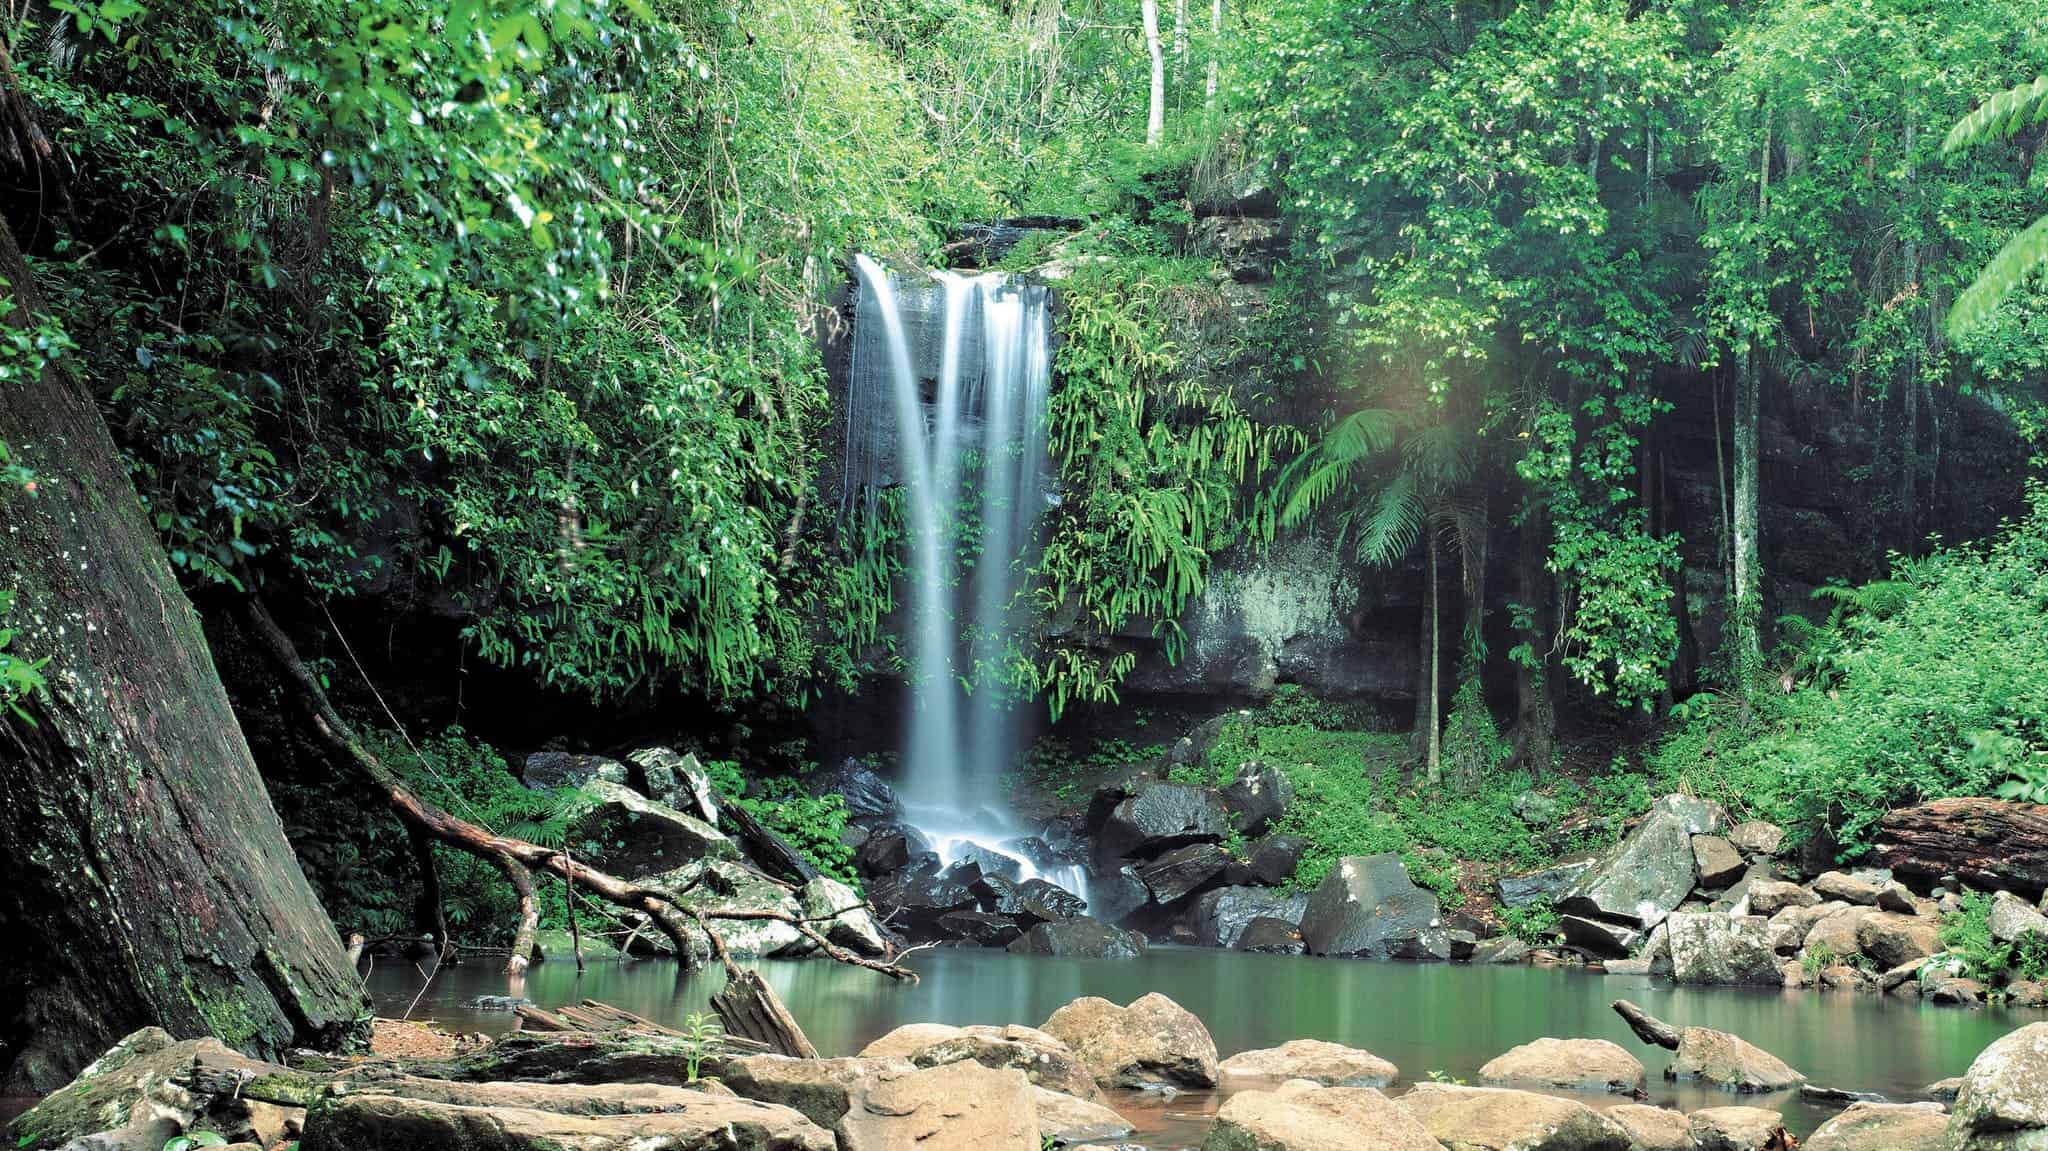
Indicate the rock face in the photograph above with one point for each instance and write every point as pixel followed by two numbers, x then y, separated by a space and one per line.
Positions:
pixel 697 1121
pixel 1367 906
pixel 1551 883
pixel 1729 1062
pixel 1722 949
pixel 850 925
pixel 1182 872
pixel 2003 1102
pixel 1153 1041
pixel 1081 938
pixel 1498 1119
pixel 1883 1127
pixel 1330 1064
pixel 958 1105
pixel 1301 1118
pixel 1651 872
pixel 1258 797
pixel 1221 916
pixel 1567 1064
pixel 1159 818
pixel 635 836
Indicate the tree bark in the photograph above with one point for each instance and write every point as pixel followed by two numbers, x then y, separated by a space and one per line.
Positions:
pixel 1155 119
pixel 1215 50
pixel 1432 742
pixel 1535 717
pixel 149 881
pixel 1746 620
pixel 1988 844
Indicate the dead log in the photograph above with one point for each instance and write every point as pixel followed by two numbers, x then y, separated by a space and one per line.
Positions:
pixel 1647 1027
pixel 1985 843
pixel 768 847
pixel 533 1018
pixel 750 1009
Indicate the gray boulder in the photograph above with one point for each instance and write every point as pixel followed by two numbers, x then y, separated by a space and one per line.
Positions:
pixel 632 836
pixel 1883 1127
pixel 1367 906
pixel 1152 1042
pixel 1221 916
pixel 553 770
pixel 1767 897
pixel 1853 889
pixel 1608 940
pixel 1757 838
pixel 1650 873
pixel 1160 817
pixel 1182 872
pixel 980 928
pixel 1717 862
pixel 1082 938
pixel 1258 797
pixel 889 848
pixel 1550 883
pixel 867 794
pixel 1717 948
pixel 2003 1102
pixel 2013 918
pixel 914 899
pixel 1275 858
pixel 716 886
pixel 1729 1062
pixel 847 921
pixel 1269 936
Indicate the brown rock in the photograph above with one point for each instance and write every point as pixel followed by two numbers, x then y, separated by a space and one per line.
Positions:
pixel 1330 1064
pixel 1988 844
pixel 1653 1128
pixel 1768 897
pixel 1729 1062
pixel 2026 993
pixel 1790 925
pixel 1065 1119
pixel 908 1040
pixel 1567 1064
pixel 820 1089
pixel 1883 1127
pixel 704 1122
pixel 1756 837
pixel 963 1105
pixel 1895 896
pixel 1841 977
pixel 1892 939
pixel 1847 888
pixel 1734 1128
pixel 1153 1041
pixel 1299 1118
pixel 1955 991
pixel 1046 1061
pixel 1716 861
pixel 1837 932
pixel 1498 1119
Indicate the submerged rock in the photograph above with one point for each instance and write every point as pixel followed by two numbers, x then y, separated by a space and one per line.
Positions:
pixel 1330 1064
pixel 1303 1117
pixel 1081 938
pixel 1063 1119
pixel 1367 906
pixel 1567 1064
pixel 1154 1041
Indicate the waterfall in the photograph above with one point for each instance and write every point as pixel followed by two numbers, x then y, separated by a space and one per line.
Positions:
pixel 946 400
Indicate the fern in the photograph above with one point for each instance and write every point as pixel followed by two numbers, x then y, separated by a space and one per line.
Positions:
pixel 2001 117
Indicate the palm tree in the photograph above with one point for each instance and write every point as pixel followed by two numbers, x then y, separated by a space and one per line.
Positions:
pixel 1999 117
pixel 1387 507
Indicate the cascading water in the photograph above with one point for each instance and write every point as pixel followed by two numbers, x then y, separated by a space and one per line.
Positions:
pixel 946 399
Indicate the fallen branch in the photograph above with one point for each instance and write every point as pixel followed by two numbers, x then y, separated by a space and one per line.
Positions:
pixel 1647 1027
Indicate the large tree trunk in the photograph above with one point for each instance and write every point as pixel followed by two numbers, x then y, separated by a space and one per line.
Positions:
pixel 1155 117
pixel 1988 844
pixel 1746 617
pixel 149 880
pixel 1535 717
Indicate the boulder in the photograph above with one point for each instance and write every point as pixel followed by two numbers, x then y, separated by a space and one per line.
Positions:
pixel 867 794
pixel 1220 916
pixel 1715 948
pixel 1567 1064
pixel 980 928
pixel 1735 1128
pixel 1846 888
pixel 1767 897
pixel 1114 894
pixel 1316 1119
pixel 1028 903
pixel 1652 1128
pixel 1608 940
pixel 962 1105
pixel 1275 858
pixel 1716 861
pixel 1646 876
pixel 1081 938
pixel 1729 1062
pixel 1153 1041
pixel 1892 939
pixel 1951 989
pixel 554 770
pixel 914 899
pixel 632 836
pixel 1945 1090
pixel 2026 993
pixel 845 916
pixel 1271 936
pixel 1501 950
pixel 1329 1064
pixel 2003 1102
pixel 1789 927
pixel 1755 837
pixel 822 1090
pixel 1367 906
pixel 1499 1119
pixel 719 885
pixel 1258 797
pixel 1550 883
pixel 1182 872
pixel 2013 917
pixel 677 780
pixel 1536 809
pixel 1063 1119
pixel 991 863
pixel 1883 1127
pixel 1835 933
pixel 1045 1061
pixel 1160 817
pixel 130 1084
pixel 707 1122
pixel 889 848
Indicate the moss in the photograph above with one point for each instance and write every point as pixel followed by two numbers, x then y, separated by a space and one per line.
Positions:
pixel 227 1015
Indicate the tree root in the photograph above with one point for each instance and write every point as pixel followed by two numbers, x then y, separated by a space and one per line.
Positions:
pixel 517 859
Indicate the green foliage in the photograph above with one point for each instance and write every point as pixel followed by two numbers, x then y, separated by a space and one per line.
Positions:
pixel 811 823
pixel 703 1038
pixel 192 1140
pixel 1925 690
pixel 2004 115
pixel 1966 939
pixel 19 678
pixel 1473 746
pixel 1533 923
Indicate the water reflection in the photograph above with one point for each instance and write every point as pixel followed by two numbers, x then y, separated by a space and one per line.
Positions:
pixel 1441 1018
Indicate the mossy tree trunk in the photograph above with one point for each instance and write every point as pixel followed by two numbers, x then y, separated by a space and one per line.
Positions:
pixel 148 877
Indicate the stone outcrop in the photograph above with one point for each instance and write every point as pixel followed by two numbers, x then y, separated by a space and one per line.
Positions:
pixel 2003 1102
pixel 1330 1064
pixel 1716 948
pixel 1367 906
pixel 961 1105
pixel 1987 844
pixel 1499 1119
pixel 130 1084
pixel 1567 1064
pixel 1646 876
pixel 1153 1041
pixel 1303 1117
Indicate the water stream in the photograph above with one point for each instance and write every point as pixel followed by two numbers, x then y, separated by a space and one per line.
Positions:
pixel 946 399
pixel 1427 1018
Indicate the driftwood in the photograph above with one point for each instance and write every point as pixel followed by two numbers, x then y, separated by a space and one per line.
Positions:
pixel 517 859
pixel 750 1010
pixel 1985 843
pixel 1647 1027
pixel 593 1017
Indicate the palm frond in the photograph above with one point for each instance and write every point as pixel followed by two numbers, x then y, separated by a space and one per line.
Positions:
pixel 1320 473
pixel 2020 258
pixel 1393 522
pixel 2001 116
